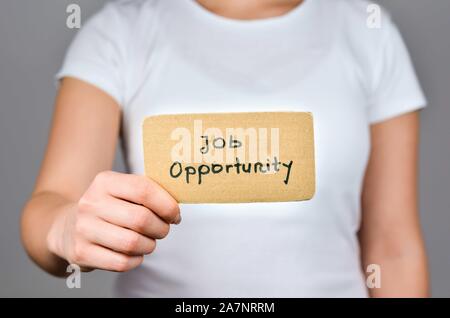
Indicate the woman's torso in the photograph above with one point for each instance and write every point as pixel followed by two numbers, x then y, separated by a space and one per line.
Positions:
pixel 189 61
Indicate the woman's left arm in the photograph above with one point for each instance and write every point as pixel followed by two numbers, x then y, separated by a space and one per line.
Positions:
pixel 390 234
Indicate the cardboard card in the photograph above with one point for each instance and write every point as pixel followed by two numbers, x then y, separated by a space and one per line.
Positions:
pixel 232 157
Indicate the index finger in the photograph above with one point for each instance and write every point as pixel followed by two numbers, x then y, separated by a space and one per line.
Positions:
pixel 143 190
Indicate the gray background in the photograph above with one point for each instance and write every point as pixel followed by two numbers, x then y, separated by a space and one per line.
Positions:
pixel 33 39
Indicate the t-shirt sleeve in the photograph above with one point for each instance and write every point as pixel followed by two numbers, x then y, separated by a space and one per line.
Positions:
pixel 395 88
pixel 97 54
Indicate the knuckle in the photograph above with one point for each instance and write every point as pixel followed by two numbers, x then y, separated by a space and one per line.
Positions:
pixel 85 204
pixel 131 243
pixel 89 203
pixel 123 263
pixel 142 190
pixel 140 219
pixel 103 177
pixel 144 187
pixel 81 226
pixel 78 253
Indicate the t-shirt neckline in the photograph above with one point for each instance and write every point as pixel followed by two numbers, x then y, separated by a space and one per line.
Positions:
pixel 203 13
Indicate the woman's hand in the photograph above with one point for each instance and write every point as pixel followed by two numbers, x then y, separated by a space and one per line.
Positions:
pixel 115 223
pixel 108 223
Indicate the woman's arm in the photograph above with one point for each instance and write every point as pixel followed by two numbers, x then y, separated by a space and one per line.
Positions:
pixel 390 234
pixel 80 214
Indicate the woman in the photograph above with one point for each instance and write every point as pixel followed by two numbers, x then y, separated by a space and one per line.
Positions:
pixel 142 57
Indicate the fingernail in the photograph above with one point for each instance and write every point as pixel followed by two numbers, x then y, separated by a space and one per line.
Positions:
pixel 178 220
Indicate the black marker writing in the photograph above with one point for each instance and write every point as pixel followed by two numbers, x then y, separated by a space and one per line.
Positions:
pixel 219 143
pixel 273 166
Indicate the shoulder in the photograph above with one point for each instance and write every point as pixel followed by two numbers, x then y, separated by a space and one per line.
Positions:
pixel 365 30
pixel 360 9
pixel 117 24
pixel 364 21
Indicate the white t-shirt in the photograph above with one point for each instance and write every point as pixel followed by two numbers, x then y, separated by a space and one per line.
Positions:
pixel 174 56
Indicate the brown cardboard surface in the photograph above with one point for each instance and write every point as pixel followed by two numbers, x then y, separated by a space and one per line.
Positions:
pixel 223 157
